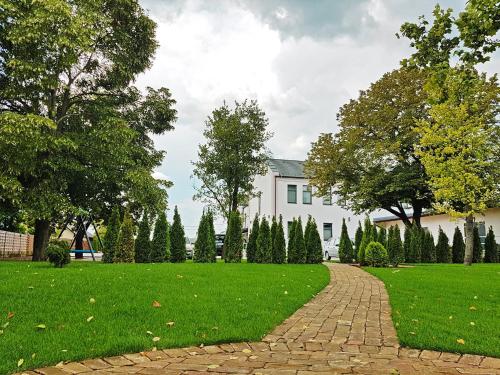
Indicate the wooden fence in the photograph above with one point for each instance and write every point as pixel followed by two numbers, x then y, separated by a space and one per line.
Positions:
pixel 15 244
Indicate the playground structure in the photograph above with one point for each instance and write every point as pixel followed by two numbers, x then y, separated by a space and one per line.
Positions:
pixel 83 223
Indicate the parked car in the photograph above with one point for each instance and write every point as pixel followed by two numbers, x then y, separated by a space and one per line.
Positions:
pixel 219 243
pixel 331 249
pixel 190 247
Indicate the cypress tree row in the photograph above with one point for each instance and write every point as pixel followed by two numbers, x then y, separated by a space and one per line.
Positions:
pixel 233 244
pixel 314 249
pixel 307 231
pixel 252 240
pixel 397 251
pixel 407 243
pixel 382 237
pixel 345 245
pixel 299 243
pixel 264 246
pixel 111 237
pixel 458 247
pixel 490 248
pixel 357 240
pixel 274 228
pixel 390 243
pixel 428 248
pixel 442 248
pixel 368 236
pixel 142 242
pixel 159 244
pixel 279 245
pixel 477 248
pixel 212 247
pixel 201 246
pixel 167 253
pixel 125 248
pixel 291 243
pixel 177 240
pixel 416 245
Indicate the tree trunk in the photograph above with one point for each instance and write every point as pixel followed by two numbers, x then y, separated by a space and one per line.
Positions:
pixel 42 233
pixel 417 214
pixel 234 199
pixel 469 240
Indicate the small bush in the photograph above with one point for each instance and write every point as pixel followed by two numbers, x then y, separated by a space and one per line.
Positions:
pixel 58 253
pixel 376 255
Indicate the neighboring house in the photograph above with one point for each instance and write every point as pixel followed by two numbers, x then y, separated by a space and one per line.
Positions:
pixel 68 236
pixel 432 222
pixel 284 190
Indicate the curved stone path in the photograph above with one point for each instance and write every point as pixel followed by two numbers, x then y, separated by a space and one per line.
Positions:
pixel 345 329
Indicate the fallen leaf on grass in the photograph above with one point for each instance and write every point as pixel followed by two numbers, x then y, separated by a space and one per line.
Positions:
pixel 33 356
pixel 286 292
pixel 156 339
pixel 92 300
pixel 90 318
pixel 149 333
pixel 20 362
pixel 472 323
pixel 472 308
pixel 156 304
pixel 6 325
pixel 412 333
pixel 10 315
pixel 461 341
pixel 170 324
pixel 41 326
pixel 450 317
pixel 180 276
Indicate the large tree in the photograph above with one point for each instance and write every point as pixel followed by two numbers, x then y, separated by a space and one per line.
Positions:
pixel 65 95
pixel 371 162
pixel 460 141
pixel 233 154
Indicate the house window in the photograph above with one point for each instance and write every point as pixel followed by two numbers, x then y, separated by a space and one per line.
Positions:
pixel 306 194
pixel 290 223
pixel 481 228
pixel 327 200
pixel 327 231
pixel 292 193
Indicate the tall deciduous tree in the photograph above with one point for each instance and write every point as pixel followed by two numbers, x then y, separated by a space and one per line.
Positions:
pixel 233 244
pixel 125 247
pixel 458 247
pixel 143 242
pixel 67 83
pixel 264 245
pixel 279 245
pixel 233 154
pixel 252 240
pixel 371 162
pixel 345 246
pixel 177 239
pixel 159 243
pixel 111 237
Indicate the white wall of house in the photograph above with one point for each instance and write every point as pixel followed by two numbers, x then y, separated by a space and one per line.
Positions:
pixel 432 222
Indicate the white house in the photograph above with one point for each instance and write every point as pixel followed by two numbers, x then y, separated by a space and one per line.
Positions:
pixel 285 191
pixel 432 222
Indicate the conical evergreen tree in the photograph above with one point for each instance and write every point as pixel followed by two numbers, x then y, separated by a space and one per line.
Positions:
pixel 416 245
pixel 252 240
pixel 314 249
pixel 407 243
pixel 177 239
pixel 368 236
pixel 143 241
pixel 458 247
pixel 390 243
pixel 477 250
pixel 264 247
pixel 125 247
pixel 345 246
pixel 168 254
pixel 357 240
pixel 442 248
pixel 279 246
pixel 212 247
pixel 382 237
pixel 274 228
pixel 233 244
pixel 291 244
pixel 299 243
pixel 490 247
pixel 201 246
pixel 307 231
pixel 397 247
pixel 159 244
pixel 428 248
pixel 111 237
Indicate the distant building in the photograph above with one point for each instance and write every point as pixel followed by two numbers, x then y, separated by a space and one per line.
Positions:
pixel 432 222
pixel 284 190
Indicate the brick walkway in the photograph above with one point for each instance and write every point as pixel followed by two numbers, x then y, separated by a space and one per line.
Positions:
pixel 345 329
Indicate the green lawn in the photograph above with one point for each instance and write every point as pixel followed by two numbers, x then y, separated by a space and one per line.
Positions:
pixel 433 306
pixel 208 303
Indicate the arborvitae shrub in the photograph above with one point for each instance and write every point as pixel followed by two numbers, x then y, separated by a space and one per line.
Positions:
pixel 279 245
pixel 314 249
pixel 201 246
pixel 274 227
pixel 458 247
pixel 376 255
pixel 168 254
pixel 357 240
pixel 477 249
pixel 299 244
pixel 397 251
pixel 58 253
pixel 159 244
pixel 442 248
pixel 428 248
pixel 177 240
pixel 390 243
pixel 291 244
pixel 382 237
pixel 307 231
pixel 142 242
pixel 264 250
pixel 368 234
pixel 490 248
pixel 345 245
pixel 233 244
pixel 416 245
pixel 212 247
pixel 407 243
pixel 125 248
pixel 252 240
pixel 111 237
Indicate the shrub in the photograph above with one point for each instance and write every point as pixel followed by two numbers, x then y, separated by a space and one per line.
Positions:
pixel 111 237
pixel 458 247
pixel 274 228
pixel 299 243
pixel 252 240
pixel 395 246
pixel 314 249
pixel 58 253
pixel 477 248
pixel 201 246
pixel 442 248
pixel 345 245
pixel 428 247
pixel 279 245
pixel 125 248
pixel 490 248
pixel 376 255
pixel 357 239
pixel 264 250
pixel 143 242
pixel 159 244
pixel 382 237
pixel 407 243
pixel 177 240
pixel 368 236
pixel 416 245
pixel 291 244
pixel 212 247
pixel 233 244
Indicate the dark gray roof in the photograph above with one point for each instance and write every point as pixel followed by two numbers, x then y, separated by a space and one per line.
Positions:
pixel 287 168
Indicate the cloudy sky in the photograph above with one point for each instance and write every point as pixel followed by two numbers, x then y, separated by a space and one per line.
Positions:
pixel 300 59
